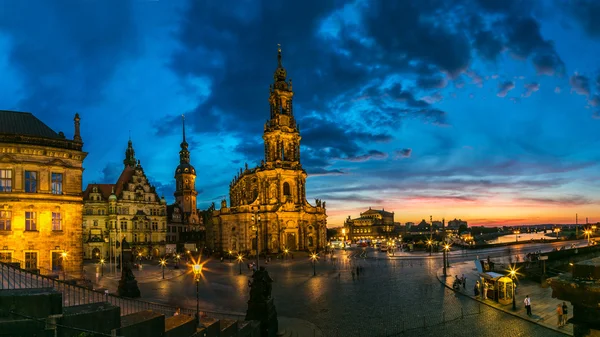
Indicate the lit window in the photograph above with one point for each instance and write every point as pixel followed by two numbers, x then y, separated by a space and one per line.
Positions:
pixel 5 257
pixel 31 260
pixel 5 180
pixel 30 182
pixel 30 224
pixel 5 218
pixel 56 221
pixel 57 183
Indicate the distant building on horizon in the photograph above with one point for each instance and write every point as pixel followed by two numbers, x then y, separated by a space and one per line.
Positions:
pixel 371 225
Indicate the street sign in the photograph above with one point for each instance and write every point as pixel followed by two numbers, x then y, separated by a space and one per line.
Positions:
pixel 542 258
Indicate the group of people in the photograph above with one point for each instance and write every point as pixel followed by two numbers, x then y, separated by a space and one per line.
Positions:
pixel 460 281
pixel 562 313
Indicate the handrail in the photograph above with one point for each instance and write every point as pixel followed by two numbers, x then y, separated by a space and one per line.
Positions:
pixel 128 305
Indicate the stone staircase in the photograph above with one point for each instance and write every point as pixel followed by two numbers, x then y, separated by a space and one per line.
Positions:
pixel 40 312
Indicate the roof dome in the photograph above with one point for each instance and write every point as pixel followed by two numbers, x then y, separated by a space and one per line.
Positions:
pixel 185 168
pixel 112 197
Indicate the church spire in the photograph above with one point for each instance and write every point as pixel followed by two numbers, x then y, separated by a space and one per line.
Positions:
pixel 184 154
pixel 129 154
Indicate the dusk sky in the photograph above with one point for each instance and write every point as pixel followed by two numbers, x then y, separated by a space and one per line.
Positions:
pixel 485 110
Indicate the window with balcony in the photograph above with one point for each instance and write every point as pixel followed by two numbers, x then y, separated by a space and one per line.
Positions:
pixel 30 221
pixel 56 221
pixel 5 220
pixel 5 180
pixel 31 259
pixel 30 182
pixel 57 183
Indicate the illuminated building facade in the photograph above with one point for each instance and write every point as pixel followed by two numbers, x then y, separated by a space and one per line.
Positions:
pixel 129 209
pixel 272 196
pixel 40 195
pixel 372 225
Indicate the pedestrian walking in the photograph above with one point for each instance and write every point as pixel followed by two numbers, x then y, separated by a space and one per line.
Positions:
pixel 565 316
pixel 527 303
pixel 485 290
pixel 559 315
pixel 464 282
pixel 476 289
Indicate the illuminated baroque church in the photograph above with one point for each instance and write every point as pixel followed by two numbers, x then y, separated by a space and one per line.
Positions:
pixel 272 196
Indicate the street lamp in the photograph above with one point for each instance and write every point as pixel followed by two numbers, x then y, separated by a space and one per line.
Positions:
pixel 177 258
pixel 64 255
pixel 285 253
pixel 101 267
pixel 230 252
pixel 517 235
pixel 344 237
pixel 140 258
pixel 197 269
pixel 163 263
pixel 240 259
pixel 314 258
pixel 513 276
pixel 256 221
pixel 557 230
pixel 447 249
pixel 430 244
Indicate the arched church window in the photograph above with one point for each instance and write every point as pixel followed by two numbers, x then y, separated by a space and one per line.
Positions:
pixel 286 189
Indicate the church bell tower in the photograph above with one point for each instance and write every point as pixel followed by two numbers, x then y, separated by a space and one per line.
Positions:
pixel 281 134
pixel 185 179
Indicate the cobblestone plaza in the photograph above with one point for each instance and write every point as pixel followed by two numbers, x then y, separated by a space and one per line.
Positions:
pixel 391 297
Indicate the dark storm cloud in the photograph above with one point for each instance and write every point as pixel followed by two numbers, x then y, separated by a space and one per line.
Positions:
pixel 573 200
pixel 512 28
pixel 504 88
pixel 580 84
pixel 586 13
pixel 111 173
pixel 371 154
pixel 431 82
pixel 67 44
pixel 404 153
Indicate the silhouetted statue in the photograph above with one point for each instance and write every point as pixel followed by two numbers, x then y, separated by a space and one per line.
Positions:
pixel 128 286
pixel 260 305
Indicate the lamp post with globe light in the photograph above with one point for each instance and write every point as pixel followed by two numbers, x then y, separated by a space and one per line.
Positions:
pixel 513 276
pixel 101 267
pixel 240 259
pixel 430 244
pixel 163 263
pixel 314 258
pixel 197 269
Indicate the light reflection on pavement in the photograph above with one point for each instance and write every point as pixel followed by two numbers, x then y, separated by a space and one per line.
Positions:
pixel 391 295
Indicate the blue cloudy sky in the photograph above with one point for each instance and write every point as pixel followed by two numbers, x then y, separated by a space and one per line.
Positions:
pixel 485 110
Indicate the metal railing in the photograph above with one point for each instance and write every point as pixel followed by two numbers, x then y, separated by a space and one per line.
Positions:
pixel 12 277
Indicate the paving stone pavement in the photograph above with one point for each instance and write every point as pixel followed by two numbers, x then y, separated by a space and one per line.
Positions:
pixel 543 306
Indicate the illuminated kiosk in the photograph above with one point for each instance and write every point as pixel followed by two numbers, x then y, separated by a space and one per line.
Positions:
pixel 505 290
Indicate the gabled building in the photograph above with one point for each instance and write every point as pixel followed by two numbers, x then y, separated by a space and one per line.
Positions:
pixel 272 196
pixel 372 225
pixel 40 195
pixel 128 209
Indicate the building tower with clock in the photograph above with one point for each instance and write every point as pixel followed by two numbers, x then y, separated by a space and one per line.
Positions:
pixel 185 223
pixel 270 199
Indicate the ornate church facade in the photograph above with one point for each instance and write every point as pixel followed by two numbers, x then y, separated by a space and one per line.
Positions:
pixel 268 207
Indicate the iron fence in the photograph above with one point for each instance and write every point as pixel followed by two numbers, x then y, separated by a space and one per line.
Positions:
pixel 12 277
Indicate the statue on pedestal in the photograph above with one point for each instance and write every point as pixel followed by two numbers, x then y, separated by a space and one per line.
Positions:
pixel 260 306
pixel 128 286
